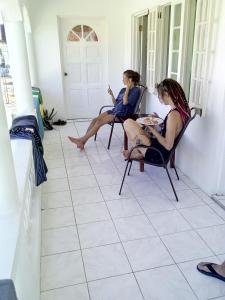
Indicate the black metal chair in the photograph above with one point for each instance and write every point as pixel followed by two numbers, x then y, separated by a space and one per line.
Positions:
pixel 163 163
pixel 120 120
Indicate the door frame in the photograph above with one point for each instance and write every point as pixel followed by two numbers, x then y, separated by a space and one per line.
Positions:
pixel 61 57
pixel 134 36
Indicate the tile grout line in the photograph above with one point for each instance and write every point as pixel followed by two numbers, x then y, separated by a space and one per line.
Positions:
pixel 75 219
pixel 119 242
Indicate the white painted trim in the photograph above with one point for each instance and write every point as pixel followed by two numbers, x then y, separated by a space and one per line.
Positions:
pixel 173 4
pixel 141 13
pixel 134 19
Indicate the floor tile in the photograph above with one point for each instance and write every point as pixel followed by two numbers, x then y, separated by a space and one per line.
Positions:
pixel 124 208
pixel 151 204
pixel 82 182
pixel 55 185
pixel 164 283
pixel 135 178
pixel 187 198
pixel 91 212
pixel 97 234
pixel 74 292
pixel 55 163
pixel 112 192
pixel 57 199
pixel 145 188
pixel 115 288
pixel 59 240
pixel 204 197
pixel 179 185
pixel 74 171
pixel 214 237
pixel 147 253
pixel 188 182
pixel 76 161
pixel 57 217
pixel 135 227
pixel 57 173
pixel 205 287
pixel 184 246
pixel 108 179
pixel 100 169
pixel 218 210
pixel 54 154
pixel 201 216
pixel 105 261
pixel 52 147
pixel 53 269
pixel 169 222
pixel 88 195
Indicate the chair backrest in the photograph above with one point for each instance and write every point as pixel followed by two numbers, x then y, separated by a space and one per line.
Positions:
pixel 142 92
pixel 197 111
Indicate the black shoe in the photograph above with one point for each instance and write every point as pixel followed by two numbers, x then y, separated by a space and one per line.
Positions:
pixel 59 122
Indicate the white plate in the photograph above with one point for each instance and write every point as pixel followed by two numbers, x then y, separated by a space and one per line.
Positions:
pixel 144 121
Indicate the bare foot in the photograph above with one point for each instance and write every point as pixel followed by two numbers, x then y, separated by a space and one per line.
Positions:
pixel 77 141
pixel 220 269
pixel 134 155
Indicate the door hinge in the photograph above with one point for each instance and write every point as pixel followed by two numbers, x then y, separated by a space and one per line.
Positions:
pixel 140 28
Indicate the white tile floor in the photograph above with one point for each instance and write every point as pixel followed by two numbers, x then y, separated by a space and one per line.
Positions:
pixel 98 245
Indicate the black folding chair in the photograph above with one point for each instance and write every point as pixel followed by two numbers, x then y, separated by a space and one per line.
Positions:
pixel 120 120
pixel 163 163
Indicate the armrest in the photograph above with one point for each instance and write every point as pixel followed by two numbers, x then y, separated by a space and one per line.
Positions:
pixel 148 147
pixel 104 106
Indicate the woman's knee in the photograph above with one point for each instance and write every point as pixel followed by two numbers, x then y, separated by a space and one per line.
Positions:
pixel 128 123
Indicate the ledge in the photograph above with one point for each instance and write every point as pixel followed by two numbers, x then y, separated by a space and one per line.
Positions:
pixel 10 224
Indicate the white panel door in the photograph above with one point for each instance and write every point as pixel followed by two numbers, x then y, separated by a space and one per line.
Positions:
pixel 83 45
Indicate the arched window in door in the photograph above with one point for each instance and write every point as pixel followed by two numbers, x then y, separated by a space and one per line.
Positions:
pixel 82 32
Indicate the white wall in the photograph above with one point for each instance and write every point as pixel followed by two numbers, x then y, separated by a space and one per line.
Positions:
pixel 43 15
pixel 201 154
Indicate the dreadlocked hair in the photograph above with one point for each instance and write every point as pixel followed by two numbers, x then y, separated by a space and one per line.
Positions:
pixel 175 91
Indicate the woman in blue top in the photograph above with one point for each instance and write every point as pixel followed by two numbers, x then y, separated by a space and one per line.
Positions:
pixel 124 105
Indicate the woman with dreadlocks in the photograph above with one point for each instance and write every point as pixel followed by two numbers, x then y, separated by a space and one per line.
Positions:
pixel 170 93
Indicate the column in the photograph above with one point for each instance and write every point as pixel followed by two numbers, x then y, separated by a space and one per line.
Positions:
pixel 31 59
pixel 8 184
pixel 15 36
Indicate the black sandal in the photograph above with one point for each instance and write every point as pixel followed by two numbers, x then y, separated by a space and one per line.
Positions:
pixel 59 122
pixel 211 271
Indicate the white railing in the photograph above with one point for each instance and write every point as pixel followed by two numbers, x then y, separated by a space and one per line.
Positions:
pixel 22 254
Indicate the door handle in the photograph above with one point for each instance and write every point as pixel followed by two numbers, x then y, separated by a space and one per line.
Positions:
pixel 65 74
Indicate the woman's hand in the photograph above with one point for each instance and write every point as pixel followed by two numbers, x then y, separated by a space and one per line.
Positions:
pixel 154 114
pixel 110 91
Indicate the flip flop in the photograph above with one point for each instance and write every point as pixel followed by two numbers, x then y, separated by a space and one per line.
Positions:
pixel 59 122
pixel 211 271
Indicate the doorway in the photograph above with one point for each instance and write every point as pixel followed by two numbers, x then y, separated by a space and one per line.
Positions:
pixel 139 48
pixel 84 63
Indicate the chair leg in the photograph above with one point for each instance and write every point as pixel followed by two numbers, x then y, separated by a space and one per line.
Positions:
pixel 110 137
pixel 130 168
pixel 125 141
pixel 142 166
pixel 176 173
pixel 95 136
pixel 172 184
pixel 124 175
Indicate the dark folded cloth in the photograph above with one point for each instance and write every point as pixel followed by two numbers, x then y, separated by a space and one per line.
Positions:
pixel 26 127
pixel 7 290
